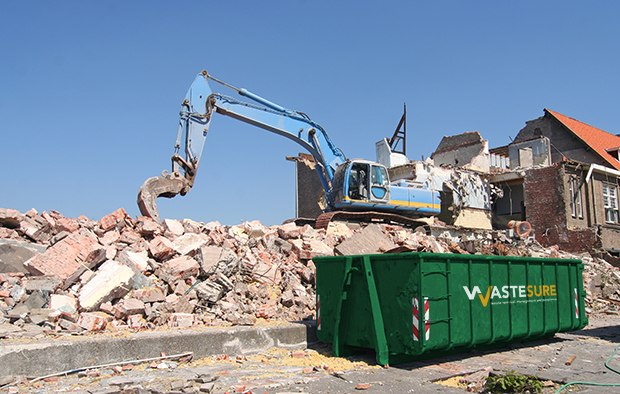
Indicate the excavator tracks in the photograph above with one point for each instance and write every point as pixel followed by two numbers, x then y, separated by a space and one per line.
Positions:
pixel 369 217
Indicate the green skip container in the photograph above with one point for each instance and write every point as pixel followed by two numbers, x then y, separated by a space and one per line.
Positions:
pixel 413 306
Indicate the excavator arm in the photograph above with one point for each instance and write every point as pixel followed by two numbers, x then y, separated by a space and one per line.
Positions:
pixel 197 110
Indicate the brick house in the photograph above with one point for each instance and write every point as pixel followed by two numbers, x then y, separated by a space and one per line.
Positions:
pixel 563 179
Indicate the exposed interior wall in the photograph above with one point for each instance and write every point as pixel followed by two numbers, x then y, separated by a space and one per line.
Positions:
pixel 466 150
pixel 530 153
pixel 474 218
pixel 511 204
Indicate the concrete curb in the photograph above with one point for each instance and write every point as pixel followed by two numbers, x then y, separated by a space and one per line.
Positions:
pixel 44 357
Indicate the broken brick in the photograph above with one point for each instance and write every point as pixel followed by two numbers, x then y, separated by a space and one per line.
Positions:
pixel 183 267
pixel 110 221
pixel 161 248
pixel 92 322
pixel 69 258
pixel 267 311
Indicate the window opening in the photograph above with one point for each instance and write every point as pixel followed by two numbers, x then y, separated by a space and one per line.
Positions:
pixel 610 201
pixel 576 205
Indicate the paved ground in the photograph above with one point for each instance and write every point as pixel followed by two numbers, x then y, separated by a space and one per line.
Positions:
pixel 314 371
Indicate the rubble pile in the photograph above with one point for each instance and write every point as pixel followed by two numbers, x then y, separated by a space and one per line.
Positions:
pixel 60 274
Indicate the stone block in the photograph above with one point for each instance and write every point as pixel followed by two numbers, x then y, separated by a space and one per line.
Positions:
pixel 38 316
pixel 184 305
pixel 130 237
pixel 36 228
pixel 68 326
pixel 209 291
pixel 135 321
pixel 216 238
pixel 339 229
pixel 255 229
pixel 35 300
pixel 113 280
pixel 69 258
pixel 191 226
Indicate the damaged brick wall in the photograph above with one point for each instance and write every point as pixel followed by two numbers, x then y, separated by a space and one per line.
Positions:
pixel 546 207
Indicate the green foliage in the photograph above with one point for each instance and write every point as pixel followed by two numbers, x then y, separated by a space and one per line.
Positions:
pixel 512 382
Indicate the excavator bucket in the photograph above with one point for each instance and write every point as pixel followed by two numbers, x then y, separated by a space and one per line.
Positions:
pixel 160 186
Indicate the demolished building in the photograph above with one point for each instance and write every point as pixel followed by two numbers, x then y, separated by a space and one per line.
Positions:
pixel 559 174
pixel 563 179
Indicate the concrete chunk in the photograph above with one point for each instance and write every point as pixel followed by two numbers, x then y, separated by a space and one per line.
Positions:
pixel 13 257
pixel 370 240
pixel 10 218
pixel 189 242
pixel 210 257
pixel 113 280
pixel 63 303
pixel 307 249
pixel 140 260
pixel 149 295
pixel 173 227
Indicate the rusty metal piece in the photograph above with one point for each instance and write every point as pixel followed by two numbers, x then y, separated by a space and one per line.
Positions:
pixel 168 185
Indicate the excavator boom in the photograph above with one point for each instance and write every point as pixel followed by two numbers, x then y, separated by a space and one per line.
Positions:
pixel 197 110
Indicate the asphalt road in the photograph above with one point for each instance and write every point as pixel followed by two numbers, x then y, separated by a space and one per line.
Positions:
pixel 314 370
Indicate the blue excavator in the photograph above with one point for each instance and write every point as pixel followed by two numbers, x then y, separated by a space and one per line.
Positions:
pixel 353 189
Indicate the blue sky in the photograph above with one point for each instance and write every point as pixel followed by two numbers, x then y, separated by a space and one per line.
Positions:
pixel 91 91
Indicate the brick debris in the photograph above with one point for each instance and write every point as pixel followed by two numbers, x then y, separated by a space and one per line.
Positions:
pixel 65 275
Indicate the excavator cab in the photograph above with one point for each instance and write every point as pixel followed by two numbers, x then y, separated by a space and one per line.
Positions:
pixel 367 183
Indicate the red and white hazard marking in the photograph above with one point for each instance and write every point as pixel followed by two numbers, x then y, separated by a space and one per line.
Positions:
pixel 416 319
pixel 318 312
pixel 576 305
